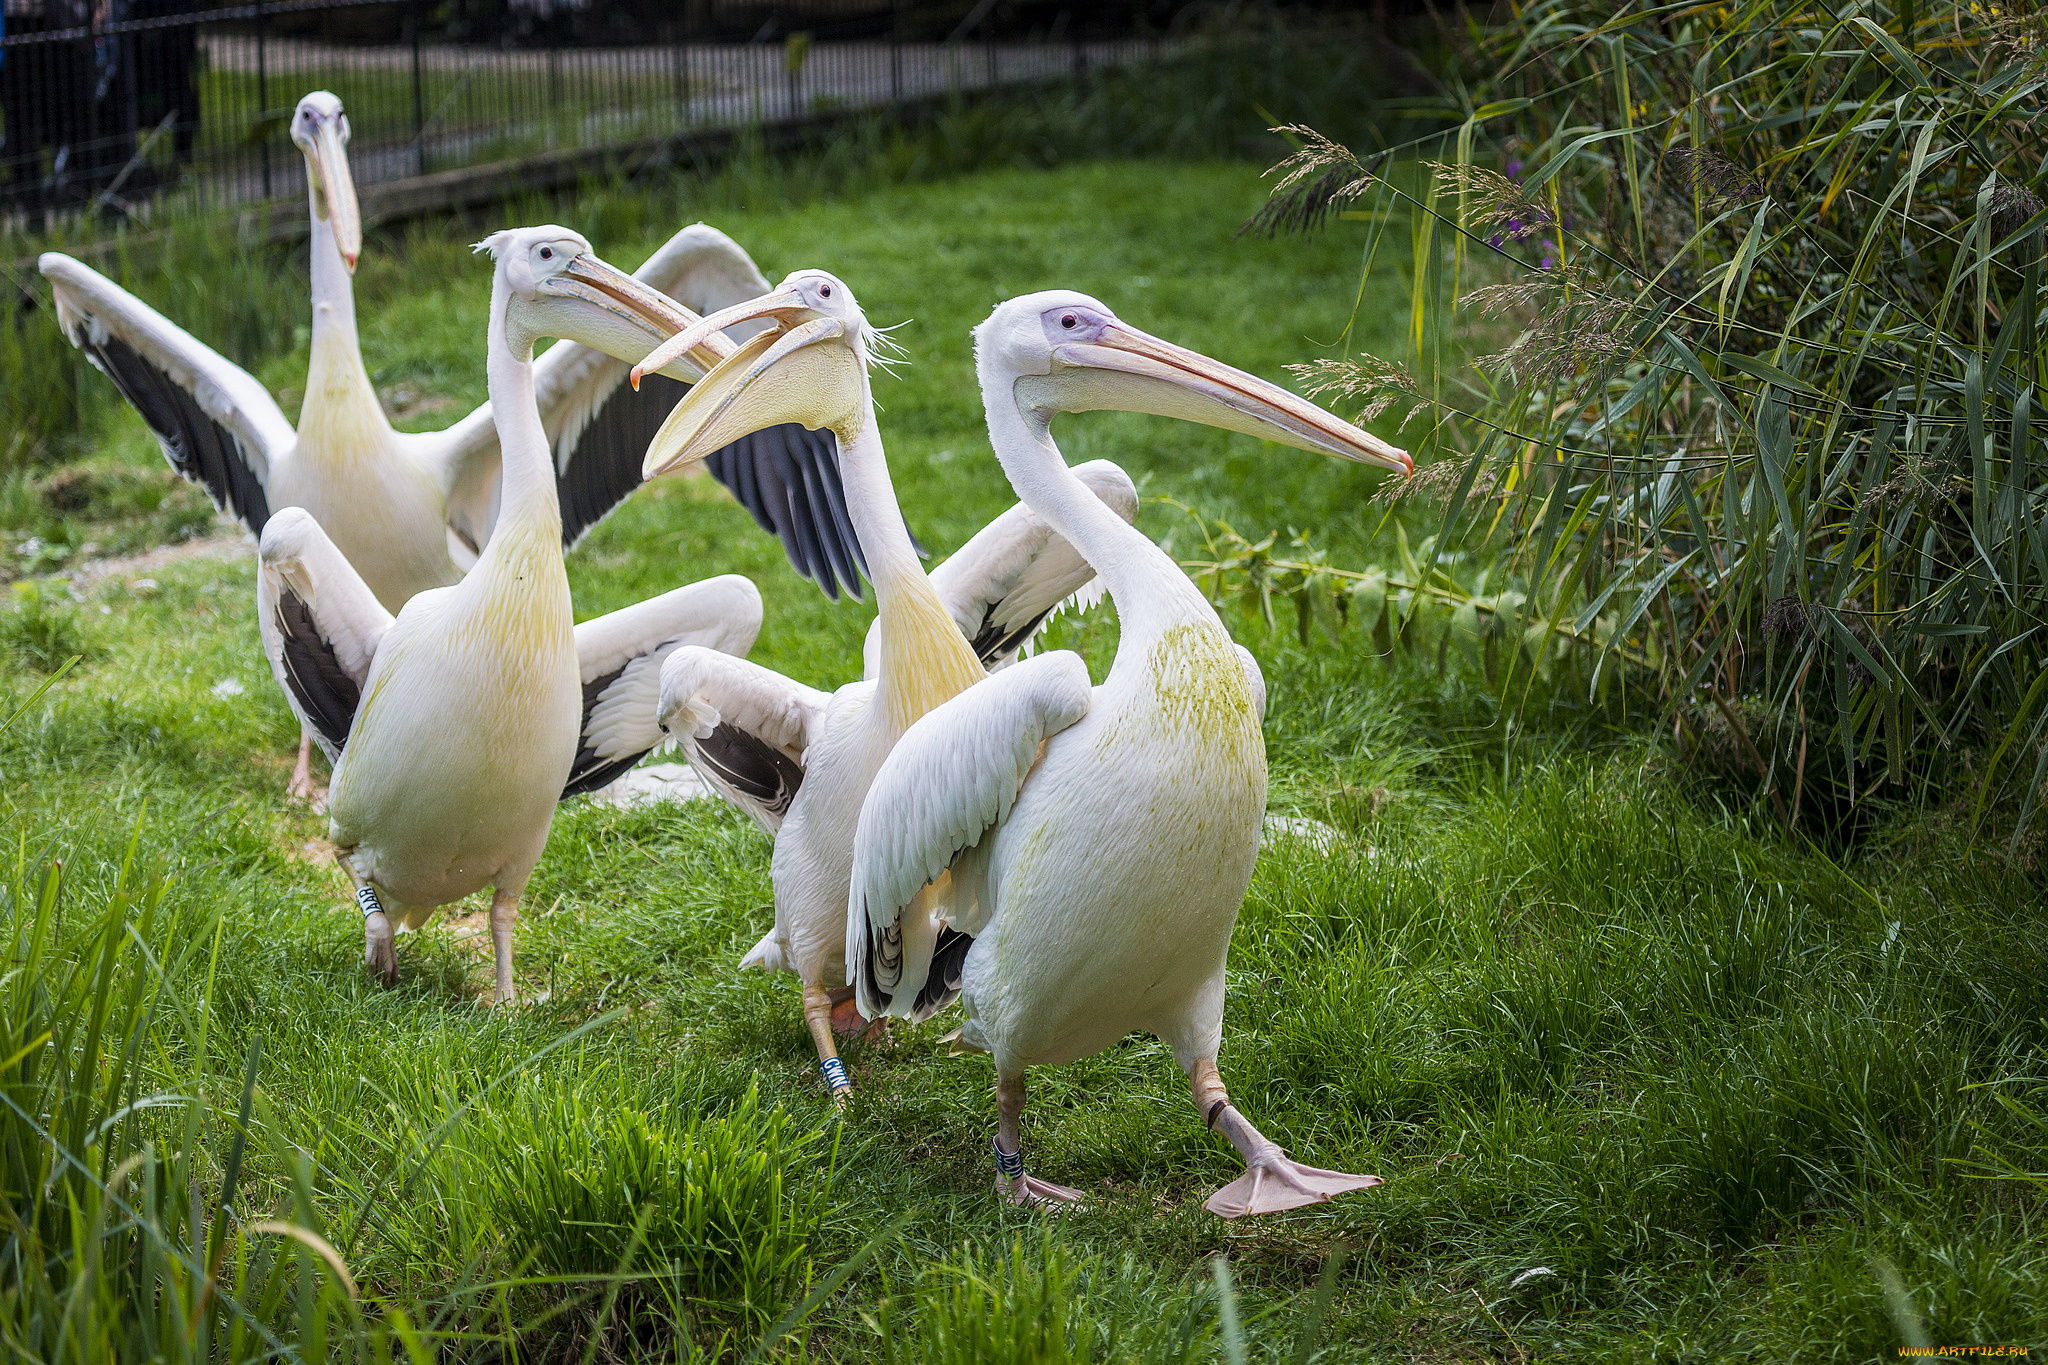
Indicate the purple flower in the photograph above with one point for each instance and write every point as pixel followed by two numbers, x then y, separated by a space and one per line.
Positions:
pixel 1549 255
pixel 1494 241
pixel 1514 170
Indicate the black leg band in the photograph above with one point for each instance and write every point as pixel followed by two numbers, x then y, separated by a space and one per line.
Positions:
pixel 1011 1164
pixel 1214 1110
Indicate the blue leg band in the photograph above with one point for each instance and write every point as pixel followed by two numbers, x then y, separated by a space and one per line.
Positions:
pixel 835 1075
pixel 1011 1164
pixel 366 896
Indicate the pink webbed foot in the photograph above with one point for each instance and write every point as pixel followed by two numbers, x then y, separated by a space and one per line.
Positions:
pixel 1029 1192
pixel 1272 1183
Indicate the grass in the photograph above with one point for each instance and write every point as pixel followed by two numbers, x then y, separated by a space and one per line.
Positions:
pixel 1648 1080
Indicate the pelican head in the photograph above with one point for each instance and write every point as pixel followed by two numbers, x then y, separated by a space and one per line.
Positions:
pixel 321 130
pixel 553 285
pixel 1070 353
pixel 810 366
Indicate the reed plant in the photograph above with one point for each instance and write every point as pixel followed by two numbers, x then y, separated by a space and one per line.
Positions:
pixel 1760 425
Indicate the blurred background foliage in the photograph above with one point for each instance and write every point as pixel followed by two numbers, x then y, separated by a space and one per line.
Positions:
pixel 1725 338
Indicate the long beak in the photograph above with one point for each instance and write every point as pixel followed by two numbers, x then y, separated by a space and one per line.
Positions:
pixel 806 375
pixel 783 305
pixel 1131 371
pixel 644 308
pixel 338 191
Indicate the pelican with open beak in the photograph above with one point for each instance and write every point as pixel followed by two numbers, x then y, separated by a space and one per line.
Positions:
pixel 1069 859
pixel 800 760
pixel 456 726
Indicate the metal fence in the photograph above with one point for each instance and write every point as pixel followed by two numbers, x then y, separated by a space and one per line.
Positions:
pixel 111 108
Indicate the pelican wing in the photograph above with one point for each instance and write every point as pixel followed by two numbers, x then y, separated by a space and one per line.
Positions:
pixel 621 658
pixel 951 779
pixel 599 428
pixel 321 625
pixel 744 728
pixel 1002 585
pixel 217 425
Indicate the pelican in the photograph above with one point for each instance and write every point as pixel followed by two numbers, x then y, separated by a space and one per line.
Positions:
pixel 409 510
pixel 800 760
pixel 455 726
pixel 1066 859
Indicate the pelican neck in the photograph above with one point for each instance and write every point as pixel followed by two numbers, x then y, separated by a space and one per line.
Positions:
pixel 1150 591
pixel 528 494
pixel 924 658
pixel 339 395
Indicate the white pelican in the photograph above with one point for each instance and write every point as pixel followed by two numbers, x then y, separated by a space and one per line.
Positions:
pixel 410 510
pixel 798 760
pixel 1069 859
pixel 455 727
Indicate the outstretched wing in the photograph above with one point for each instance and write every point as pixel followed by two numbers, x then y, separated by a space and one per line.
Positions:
pixel 621 657
pixel 321 625
pixel 599 428
pixel 217 425
pixel 1002 585
pixel 744 728
pixel 951 779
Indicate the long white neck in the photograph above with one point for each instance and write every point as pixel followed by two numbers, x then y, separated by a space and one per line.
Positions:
pixel 528 500
pixel 1150 591
pixel 339 396
pixel 924 658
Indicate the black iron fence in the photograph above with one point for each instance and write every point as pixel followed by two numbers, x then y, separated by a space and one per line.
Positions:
pixel 114 108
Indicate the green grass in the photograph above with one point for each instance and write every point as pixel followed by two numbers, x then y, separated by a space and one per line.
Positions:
pixel 1585 1012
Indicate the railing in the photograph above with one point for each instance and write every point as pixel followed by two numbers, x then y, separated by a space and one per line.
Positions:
pixel 110 109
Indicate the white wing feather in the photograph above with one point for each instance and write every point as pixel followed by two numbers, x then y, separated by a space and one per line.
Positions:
pixel 702 691
pixel 91 307
pixel 628 647
pixel 952 778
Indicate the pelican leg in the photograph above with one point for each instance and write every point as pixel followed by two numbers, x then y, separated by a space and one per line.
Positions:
pixel 1270 1182
pixel 504 914
pixel 818 1018
pixel 378 951
pixel 302 787
pixel 1025 1191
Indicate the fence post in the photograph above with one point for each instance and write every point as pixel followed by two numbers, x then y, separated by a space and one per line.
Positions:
pixel 896 53
pixel 419 108
pixel 263 94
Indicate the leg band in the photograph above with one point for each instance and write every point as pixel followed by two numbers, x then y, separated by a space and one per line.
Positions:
pixel 834 1072
pixel 1011 1164
pixel 1215 1111
pixel 366 896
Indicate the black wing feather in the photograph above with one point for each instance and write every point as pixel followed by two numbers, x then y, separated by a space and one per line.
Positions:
pixel 327 695
pixel 942 986
pixel 198 447
pixel 590 771
pixel 606 466
pixel 991 643
pixel 751 766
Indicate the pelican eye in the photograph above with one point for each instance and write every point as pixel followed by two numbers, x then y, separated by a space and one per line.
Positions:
pixel 1068 321
pixel 547 253
pixel 825 290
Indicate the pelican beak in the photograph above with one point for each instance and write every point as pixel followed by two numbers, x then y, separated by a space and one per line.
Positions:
pixel 629 313
pixel 806 374
pixel 1126 370
pixel 329 156
pixel 784 306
